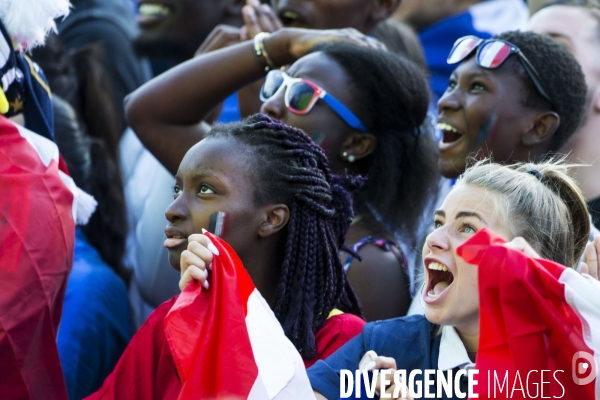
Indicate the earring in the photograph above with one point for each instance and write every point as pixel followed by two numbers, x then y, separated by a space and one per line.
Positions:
pixel 351 158
pixel 345 154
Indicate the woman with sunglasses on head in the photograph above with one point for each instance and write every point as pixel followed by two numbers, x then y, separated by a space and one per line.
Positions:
pixel 516 97
pixel 537 208
pixel 364 106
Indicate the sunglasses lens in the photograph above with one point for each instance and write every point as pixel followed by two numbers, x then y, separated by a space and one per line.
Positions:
pixel 273 82
pixel 300 96
pixel 493 54
pixel 462 48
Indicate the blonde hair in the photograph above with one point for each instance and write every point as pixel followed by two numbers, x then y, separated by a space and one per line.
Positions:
pixel 541 203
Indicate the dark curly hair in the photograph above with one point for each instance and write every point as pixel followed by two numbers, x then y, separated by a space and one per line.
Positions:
pixel 391 95
pixel 560 75
pixel 293 170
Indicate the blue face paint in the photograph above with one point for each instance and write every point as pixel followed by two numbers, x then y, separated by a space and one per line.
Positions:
pixel 318 137
pixel 487 127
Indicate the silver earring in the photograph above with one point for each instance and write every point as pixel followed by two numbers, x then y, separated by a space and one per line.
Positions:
pixel 351 158
pixel 345 154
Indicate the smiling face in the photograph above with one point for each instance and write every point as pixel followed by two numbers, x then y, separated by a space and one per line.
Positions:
pixel 325 14
pixel 176 28
pixel 482 113
pixel 322 124
pixel 213 176
pixel 451 292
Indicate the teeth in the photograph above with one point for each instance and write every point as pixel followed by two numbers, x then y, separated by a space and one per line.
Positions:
pixel 153 10
pixel 290 14
pixel 437 266
pixel 432 294
pixel 446 127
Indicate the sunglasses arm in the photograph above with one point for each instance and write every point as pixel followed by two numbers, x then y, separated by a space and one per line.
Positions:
pixel 348 116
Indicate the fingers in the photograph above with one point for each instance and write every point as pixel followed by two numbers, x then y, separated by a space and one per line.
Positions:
pixel 592 266
pixel 193 273
pixel 367 362
pixel 196 260
pixel 523 246
pixel 384 363
pixel 259 18
pixel 221 36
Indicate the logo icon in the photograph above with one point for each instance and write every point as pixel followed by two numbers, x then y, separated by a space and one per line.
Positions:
pixel 584 365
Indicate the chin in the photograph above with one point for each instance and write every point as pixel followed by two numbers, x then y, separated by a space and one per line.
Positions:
pixel 175 259
pixel 450 168
pixel 29 21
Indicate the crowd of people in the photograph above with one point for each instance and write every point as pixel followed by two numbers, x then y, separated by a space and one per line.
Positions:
pixel 355 150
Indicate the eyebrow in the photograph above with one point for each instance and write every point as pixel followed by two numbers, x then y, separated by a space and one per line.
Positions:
pixel 462 214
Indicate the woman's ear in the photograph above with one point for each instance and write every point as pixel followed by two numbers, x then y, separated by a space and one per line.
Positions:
pixel 275 219
pixel 543 127
pixel 357 146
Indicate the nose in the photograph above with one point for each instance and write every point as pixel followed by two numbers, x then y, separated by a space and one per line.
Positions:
pixel 449 101
pixel 176 210
pixel 274 107
pixel 438 240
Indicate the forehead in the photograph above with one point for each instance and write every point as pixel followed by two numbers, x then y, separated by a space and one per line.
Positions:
pixel 504 73
pixel 321 69
pixel 225 158
pixel 569 25
pixel 487 204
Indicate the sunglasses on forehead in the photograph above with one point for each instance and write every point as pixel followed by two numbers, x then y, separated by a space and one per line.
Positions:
pixel 302 94
pixel 491 54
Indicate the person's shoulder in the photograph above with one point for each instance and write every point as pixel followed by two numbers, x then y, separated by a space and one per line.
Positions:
pixel 404 328
pixel 345 324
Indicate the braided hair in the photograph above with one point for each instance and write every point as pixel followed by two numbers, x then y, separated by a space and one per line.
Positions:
pixel 293 170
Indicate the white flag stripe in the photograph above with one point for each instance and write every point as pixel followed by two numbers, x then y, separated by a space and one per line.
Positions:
pixel 582 293
pixel 45 148
pixel 281 372
pixel 492 53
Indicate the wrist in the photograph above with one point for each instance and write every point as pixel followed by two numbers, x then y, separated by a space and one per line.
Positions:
pixel 277 47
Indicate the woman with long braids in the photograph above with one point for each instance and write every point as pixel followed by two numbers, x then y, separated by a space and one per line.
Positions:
pixel 364 106
pixel 287 216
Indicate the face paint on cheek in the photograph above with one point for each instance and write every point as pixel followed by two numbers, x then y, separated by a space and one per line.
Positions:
pixel 218 223
pixel 488 130
pixel 318 137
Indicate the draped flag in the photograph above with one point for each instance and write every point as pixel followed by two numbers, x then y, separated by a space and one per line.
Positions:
pixel 37 231
pixel 539 325
pixel 227 343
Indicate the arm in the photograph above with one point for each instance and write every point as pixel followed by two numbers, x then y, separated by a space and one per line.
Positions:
pixel 380 283
pixel 166 113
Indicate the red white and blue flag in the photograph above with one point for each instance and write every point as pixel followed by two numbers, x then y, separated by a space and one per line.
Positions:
pixel 227 343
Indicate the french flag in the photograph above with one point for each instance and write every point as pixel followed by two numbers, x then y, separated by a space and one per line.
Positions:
pixel 226 341
pixel 38 210
pixel 535 315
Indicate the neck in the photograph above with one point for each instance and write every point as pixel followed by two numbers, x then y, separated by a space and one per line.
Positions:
pixel 582 148
pixel 469 335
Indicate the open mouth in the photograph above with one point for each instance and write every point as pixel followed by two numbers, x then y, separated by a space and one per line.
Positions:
pixel 150 13
pixel 292 19
pixel 439 279
pixel 450 134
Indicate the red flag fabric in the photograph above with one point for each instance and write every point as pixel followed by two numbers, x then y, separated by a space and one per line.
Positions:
pixel 221 343
pixel 533 324
pixel 36 253
pixel 226 341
